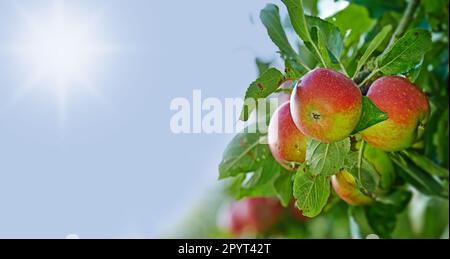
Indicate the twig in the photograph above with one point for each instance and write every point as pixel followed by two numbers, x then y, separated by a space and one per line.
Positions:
pixel 404 22
pixel 374 72
pixel 399 31
pixel 322 60
pixel 343 68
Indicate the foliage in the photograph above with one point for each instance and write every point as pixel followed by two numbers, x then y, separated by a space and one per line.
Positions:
pixel 392 38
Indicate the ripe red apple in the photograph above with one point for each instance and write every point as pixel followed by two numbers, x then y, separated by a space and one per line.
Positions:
pixel 254 215
pixel 407 108
pixel 326 105
pixel 286 142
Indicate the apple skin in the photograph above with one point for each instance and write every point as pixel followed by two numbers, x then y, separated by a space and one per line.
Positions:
pixel 326 105
pixel 344 184
pixel 254 215
pixel 286 142
pixel 407 108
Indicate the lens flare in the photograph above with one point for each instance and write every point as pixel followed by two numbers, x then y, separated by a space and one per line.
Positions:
pixel 61 50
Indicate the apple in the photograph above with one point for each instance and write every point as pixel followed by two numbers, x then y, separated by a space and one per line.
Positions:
pixel 286 142
pixel 254 215
pixel 326 105
pixel 407 108
pixel 344 184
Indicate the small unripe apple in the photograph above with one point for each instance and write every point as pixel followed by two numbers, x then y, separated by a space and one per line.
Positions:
pixel 286 142
pixel 407 109
pixel 345 185
pixel 251 216
pixel 326 105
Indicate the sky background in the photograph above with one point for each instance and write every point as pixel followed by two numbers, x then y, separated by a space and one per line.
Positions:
pixel 110 167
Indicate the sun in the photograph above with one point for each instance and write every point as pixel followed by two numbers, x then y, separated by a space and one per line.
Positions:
pixel 61 50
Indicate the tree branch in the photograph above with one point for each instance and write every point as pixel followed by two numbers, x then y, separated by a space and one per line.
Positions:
pixel 408 15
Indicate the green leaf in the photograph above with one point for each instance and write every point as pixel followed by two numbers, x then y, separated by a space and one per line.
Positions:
pixel 291 72
pixel 440 139
pixel 367 178
pixel 311 7
pixel 399 200
pixel 345 20
pixel 415 176
pixel 244 154
pixel 307 55
pixel 381 218
pixel 331 36
pixel 297 17
pixel 371 115
pixel 406 53
pixel 374 44
pixel 261 183
pixel 379 7
pixel 435 217
pixel 427 164
pixel 283 187
pixel 381 215
pixel 325 34
pixel 262 65
pixel 311 192
pixel 262 87
pixel 431 132
pixel 326 159
pixel 414 73
pixel 268 171
pixel 235 186
pixel 270 17
pixel 319 41
pixel 253 188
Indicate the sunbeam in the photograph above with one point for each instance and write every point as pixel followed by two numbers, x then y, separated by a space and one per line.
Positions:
pixel 61 50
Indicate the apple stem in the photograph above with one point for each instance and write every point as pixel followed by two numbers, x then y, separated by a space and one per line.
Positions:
pixel 368 77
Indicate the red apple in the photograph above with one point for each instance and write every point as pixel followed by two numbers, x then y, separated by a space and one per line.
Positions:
pixel 407 108
pixel 286 142
pixel 254 215
pixel 326 105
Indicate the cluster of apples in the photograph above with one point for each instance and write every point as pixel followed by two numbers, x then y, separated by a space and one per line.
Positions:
pixel 326 105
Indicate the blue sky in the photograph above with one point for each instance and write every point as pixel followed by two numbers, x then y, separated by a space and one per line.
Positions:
pixel 111 167
pixel 104 163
